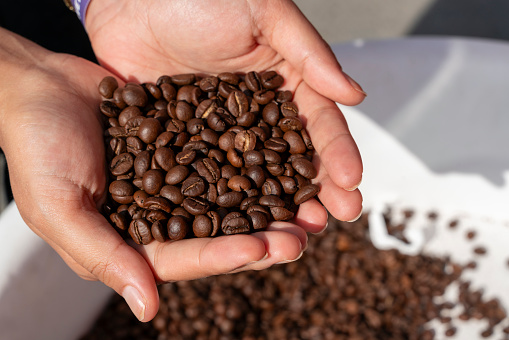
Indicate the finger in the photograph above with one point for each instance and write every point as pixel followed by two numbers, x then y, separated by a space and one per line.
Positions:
pixel 331 138
pixel 342 204
pixel 311 216
pixel 297 41
pixel 191 259
pixel 81 232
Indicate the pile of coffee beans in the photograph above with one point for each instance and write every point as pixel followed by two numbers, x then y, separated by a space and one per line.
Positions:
pixel 342 288
pixel 194 156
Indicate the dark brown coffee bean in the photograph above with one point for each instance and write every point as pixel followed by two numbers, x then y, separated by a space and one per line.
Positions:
pixel 245 141
pixel 159 230
pixel 276 144
pixel 275 169
pixel 183 79
pixel 253 82
pixel 270 114
pixel 258 220
pixel 256 173
pixel 215 122
pixel 271 80
pixel 172 193
pixel 139 197
pixel 208 169
pixel 156 215
pixel 230 199
pixel 304 167
pixel 154 90
pixel 198 146
pixel 246 119
pixel 239 183
pixel 165 158
pixel 142 163
pixel 193 186
pixel 132 126
pixel 210 136
pixel 306 139
pixel 196 205
pixel 181 139
pixel 121 191
pixel 234 223
pixel 260 133
pixel 202 226
pixel 305 193
pixel 301 181
pixel 107 86
pixel 237 103
pixel 295 142
pixel 117 98
pixel 216 222
pixel 228 171
pixel 109 109
pixel 227 141
pixel 177 228
pixel 247 202
pixel 158 203
pixel 222 186
pixel 205 108
pixel 175 126
pixel 153 181
pixel 230 78
pixel 134 145
pixel 271 156
pixel 116 132
pixel 149 130
pixel 234 158
pixel 121 220
pixel 289 185
pixel 260 209
pixel 281 214
pixel 290 124
pixel 121 164
pixel 176 174
pixel 186 157
pixel 216 155
pixel 284 96
pixel 271 187
pixel 271 201
pixel 190 94
pixel 209 84
pixel 211 194
pixel 289 109
pixel 140 232
pixel 168 91
pixel 127 114
pixel 224 89
pixel 253 157
pixel 277 132
pixel 264 97
pixel 134 95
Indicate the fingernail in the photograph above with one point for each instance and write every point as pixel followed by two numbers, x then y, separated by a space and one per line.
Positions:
pixel 321 231
pixel 135 301
pixel 295 259
pixel 247 264
pixel 355 85
pixel 355 219
pixel 354 187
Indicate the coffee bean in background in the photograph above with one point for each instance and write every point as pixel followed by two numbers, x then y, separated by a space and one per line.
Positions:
pixel 342 288
pixel 230 148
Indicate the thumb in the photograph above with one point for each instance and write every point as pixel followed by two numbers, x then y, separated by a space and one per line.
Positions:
pixel 291 34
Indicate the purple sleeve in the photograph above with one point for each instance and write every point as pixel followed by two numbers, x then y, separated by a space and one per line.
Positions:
pixel 80 7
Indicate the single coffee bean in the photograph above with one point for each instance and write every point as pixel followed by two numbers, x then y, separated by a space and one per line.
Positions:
pixel 156 215
pixel 122 191
pixel 165 158
pixel 245 141
pixel 295 142
pixel 276 144
pixel 271 201
pixel 121 164
pixel 198 146
pixel 208 169
pixel 158 203
pixel 271 156
pixel 134 95
pixel 288 184
pixel 229 77
pixel 210 136
pixel 228 171
pixel 281 214
pixel 252 192
pixel 215 122
pixel 260 209
pixel 175 126
pixel 193 186
pixel 275 169
pixel 139 197
pixel 180 211
pixel 258 220
pixel 237 103
pixel 168 91
pixel 222 187
pixel 135 211
pixel 176 174
pixel 260 133
pixel 230 199
pixel 184 111
pixel 306 139
pixel 290 124
pixel 142 163
pixel 202 226
pixel 121 220
pixel 305 193
pixel 140 232
pixel 209 84
pixel 277 132
pixel 247 202
pixel 134 145
pixel 107 86
pixel 153 181
pixel 159 230
pixel 256 173
pixel 253 157
pixel 224 89
pixel 234 158
pixel 246 119
pixel 234 223
pixel 149 130
pixel 132 126
pixel 289 170
pixel 128 113
pixel 190 94
pixel 227 141
pixel 264 97
pixel 116 132
pixel 253 82
pixel 271 187
pixel 186 157
pixel 117 98
pixel 239 183
pixel 271 80
pixel 183 79
pixel 205 108
pixel 172 193
pixel 289 109
pixel 284 96
pixel 304 168
pixel 177 228
pixel 195 126
pixel 181 139
pixel 301 181
pixel 216 155
pixel 109 109
pixel 154 90
pixel 196 205
pixel 270 114
pixel 215 218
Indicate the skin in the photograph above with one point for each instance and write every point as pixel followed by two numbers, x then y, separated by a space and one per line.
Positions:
pixel 52 138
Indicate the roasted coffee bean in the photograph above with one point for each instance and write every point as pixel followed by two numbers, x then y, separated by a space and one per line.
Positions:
pixel 258 220
pixel 270 114
pixel 271 201
pixel 301 181
pixel 109 109
pixel 253 157
pixel 228 171
pixel 209 84
pixel 245 141
pixel 215 218
pixel 149 130
pixel 176 174
pixel 195 126
pixel 116 132
pixel 247 202
pixel 264 97
pixel 224 89
pixel 276 144
pixel 196 205
pixel 222 186
pixel 205 108
pixel 271 187
pixel 305 193
pixel 289 185
pixel 230 199
pixel 154 90
pixel 168 91
pixel 271 80
pixel 172 193
pixel 239 183
pixel 158 203
pixel 229 77
pixel 175 126
pixel 198 146
pixel 246 119
pixel 275 169
pixel 153 181
pixel 211 194
pixel 107 86
pixel 295 142
pixel 185 157
pixel 304 168
pixel 256 173
pixel 181 139
pixel 183 79
pixel 140 232
pixel 121 220
pixel 132 126
pixel 227 141
pixel 284 96
pixel 177 228
pixel 208 169
pixel 237 103
pixel 184 111
pixel 139 197
pixel 180 211
pixel 122 191
pixel 134 95
pixel 156 215
pixel 121 164
pixel 234 223
pixel 289 109
pixel 210 136
pixel 260 133
pixel 281 213
pixel 216 155
pixel 202 226
pixel 117 98
pixel 134 145
pixel 253 81
pixel 234 158
pixel 159 230
pixel 193 186
pixel 165 158
pixel 128 113
pixel 215 122
pixel 290 124
pixel 190 94
pixel 277 132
